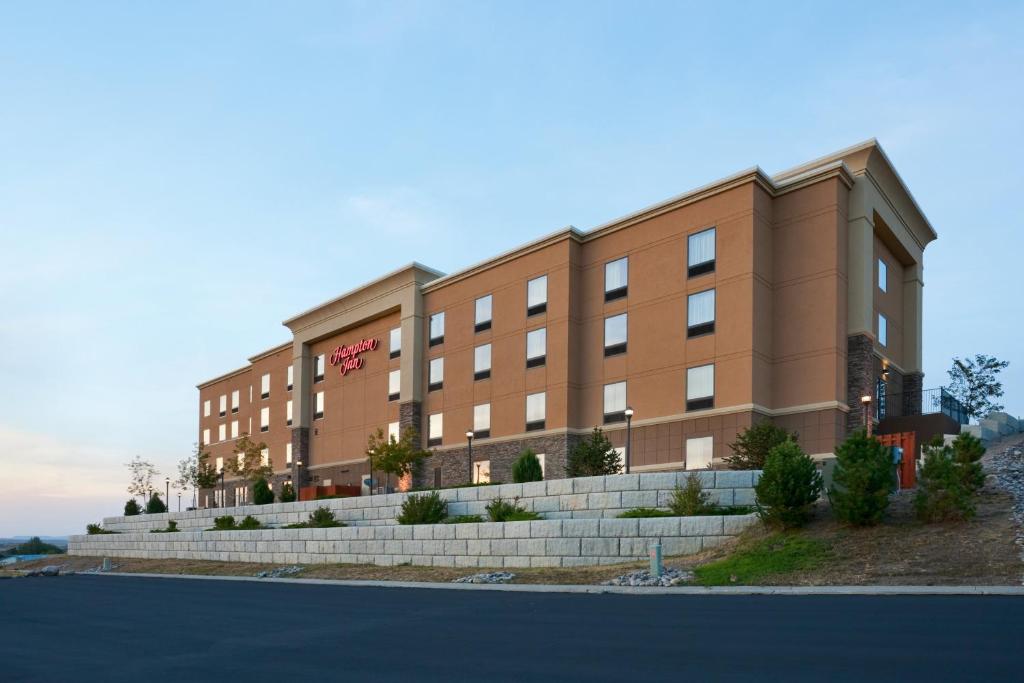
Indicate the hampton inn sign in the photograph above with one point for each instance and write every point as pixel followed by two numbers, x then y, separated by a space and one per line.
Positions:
pixel 350 357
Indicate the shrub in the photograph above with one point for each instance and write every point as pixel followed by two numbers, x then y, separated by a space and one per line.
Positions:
pixel 131 508
pixel 463 519
pixel 287 493
pixel 690 500
pixel 425 508
pixel 262 494
pixel 527 468
pixel 967 453
pixel 593 457
pixel 645 512
pixel 249 523
pixel 942 493
pixel 172 527
pixel 752 445
pixel 500 510
pixel 94 529
pixel 788 486
pixel 321 518
pixel 155 505
pixel 863 478
pixel 225 523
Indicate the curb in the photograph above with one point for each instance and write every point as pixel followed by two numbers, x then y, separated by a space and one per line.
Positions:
pixel 619 590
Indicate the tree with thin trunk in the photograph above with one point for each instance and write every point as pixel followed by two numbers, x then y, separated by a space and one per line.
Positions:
pixel 398 457
pixel 196 472
pixel 248 461
pixel 141 473
pixel 975 383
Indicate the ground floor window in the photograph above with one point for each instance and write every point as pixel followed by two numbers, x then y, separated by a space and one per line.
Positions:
pixel 699 453
pixel 482 472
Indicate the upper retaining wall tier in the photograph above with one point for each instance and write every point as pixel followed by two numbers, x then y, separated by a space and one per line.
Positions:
pixel 544 543
pixel 579 498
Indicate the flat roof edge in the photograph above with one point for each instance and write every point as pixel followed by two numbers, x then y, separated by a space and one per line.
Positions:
pixel 226 375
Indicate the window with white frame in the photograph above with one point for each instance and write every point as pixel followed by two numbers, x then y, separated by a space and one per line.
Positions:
pixel 265 457
pixel 234 401
pixel 318 367
pixel 540 459
pixel 883 276
pixel 265 386
pixel 220 465
pixel 537 295
pixel 206 408
pixel 393 431
pixel 616 279
pixel 394 385
pixel 396 342
pixel 536 347
pixel 222 432
pixel 482 317
pixel 615 331
pixel 536 411
pixel 206 437
pixel 482 472
pixel 482 362
pixel 700 313
pixel 223 405
pixel 234 429
pixel 614 402
pixel 437 329
pixel 265 419
pixel 700 387
pixel 883 330
pixel 435 380
pixel 318 405
pixel 288 453
pixel 699 453
pixel 435 429
pixel 700 252
pixel 288 413
pixel 482 421
pixel 290 378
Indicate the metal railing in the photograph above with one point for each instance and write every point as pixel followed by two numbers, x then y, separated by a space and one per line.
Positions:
pixel 924 402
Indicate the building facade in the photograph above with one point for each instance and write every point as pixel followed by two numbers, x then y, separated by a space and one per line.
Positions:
pixel 783 298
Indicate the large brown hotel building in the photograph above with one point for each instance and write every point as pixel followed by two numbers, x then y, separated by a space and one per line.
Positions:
pixel 783 297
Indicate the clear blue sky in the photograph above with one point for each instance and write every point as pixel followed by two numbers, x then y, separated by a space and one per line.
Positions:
pixel 177 178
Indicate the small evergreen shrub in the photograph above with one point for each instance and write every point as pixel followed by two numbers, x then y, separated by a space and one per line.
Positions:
pixel 527 468
pixel 592 457
pixel 321 518
pixel 643 513
pixel 94 529
pixel 172 527
pixel 864 476
pixel 943 491
pixel 287 493
pixel 752 445
pixel 155 505
pixel 131 508
pixel 225 523
pixel 425 508
pixel 500 510
pixel 967 453
pixel 249 523
pixel 463 519
pixel 691 499
pixel 262 494
pixel 789 486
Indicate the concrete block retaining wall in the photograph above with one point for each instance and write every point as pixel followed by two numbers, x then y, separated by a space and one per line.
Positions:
pixel 579 498
pixel 544 543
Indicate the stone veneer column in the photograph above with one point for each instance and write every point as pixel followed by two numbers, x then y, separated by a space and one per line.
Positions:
pixel 302 413
pixel 913 385
pixel 860 378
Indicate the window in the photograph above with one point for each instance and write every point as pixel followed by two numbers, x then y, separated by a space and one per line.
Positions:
pixel 616 279
pixel 536 410
pixel 621 453
pixel 536 347
pixel 234 429
pixel 614 402
pixel 318 368
pixel 436 377
pixel 700 387
pixel 393 431
pixel 288 413
pixel 288 453
pixel 482 362
pixel 540 458
pixel 291 375
pixel 265 419
pixel 223 405
pixel 396 342
pixel 883 276
pixel 483 314
pixel 537 295
pixel 318 405
pixel 220 465
pixel 698 453
pixel 615 335
pixel 265 457
pixel 206 408
pixel 883 330
pixel 394 385
pixel 700 313
pixel 435 429
pixel 437 329
pixel 482 421
pixel 700 253
pixel 482 472
pixel 265 386
pixel 206 437
pixel 234 401
pixel 222 432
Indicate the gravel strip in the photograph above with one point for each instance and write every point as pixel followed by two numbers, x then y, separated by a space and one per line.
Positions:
pixel 642 577
pixel 280 572
pixel 491 577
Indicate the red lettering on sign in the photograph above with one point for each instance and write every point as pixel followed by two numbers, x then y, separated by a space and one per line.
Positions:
pixel 348 358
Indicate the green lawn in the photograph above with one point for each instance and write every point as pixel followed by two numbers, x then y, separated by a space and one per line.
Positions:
pixel 777 554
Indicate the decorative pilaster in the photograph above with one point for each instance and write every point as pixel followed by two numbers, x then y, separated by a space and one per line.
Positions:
pixel 860 378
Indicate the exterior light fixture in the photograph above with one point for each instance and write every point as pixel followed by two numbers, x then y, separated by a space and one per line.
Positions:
pixel 865 401
pixel 629 426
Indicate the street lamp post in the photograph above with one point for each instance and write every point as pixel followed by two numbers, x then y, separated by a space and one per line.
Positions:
pixel 167 494
pixel 298 479
pixel 223 497
pixel 629 440
pixel 469 439
pixel 865 401
pixel 179 501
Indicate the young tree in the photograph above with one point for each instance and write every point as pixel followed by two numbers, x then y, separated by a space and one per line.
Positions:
pixel 942 493
pixel 975 383
pixel 789 486
pixel 248 461
pixel 142 473
pixel 753 444
pixel 593 457
pixel 527 468
pixel 392 456
pixel 967 453
pixel 155 504
pixel 863 478
pixel 262 494
pixel 196 472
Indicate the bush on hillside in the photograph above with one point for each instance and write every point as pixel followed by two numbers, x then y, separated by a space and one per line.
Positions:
pixel 943 493
pixel 155 505
pixel 789 486
pixel 262 494
pixel 753 444
pixel 967 453
pixel 593 457
pixel 225 523
pixel 94 529
pixel 500 510
pixel 131 508
pixel 321 518
pixel 691 499
pixel 425 508
pixel 864 476
pixel 463 519
pixel 172 527
pixel 287 493
pixel 249 523
pixel 527 468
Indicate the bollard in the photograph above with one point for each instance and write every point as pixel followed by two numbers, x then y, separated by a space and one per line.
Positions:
pixel 106 564
pixel 656 560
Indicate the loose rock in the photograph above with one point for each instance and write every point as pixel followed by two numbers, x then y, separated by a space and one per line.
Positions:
pixel 280 572
pixel 642 577
pixel 491 577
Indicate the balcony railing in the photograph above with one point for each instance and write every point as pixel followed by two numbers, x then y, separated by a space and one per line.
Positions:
pixel 924 402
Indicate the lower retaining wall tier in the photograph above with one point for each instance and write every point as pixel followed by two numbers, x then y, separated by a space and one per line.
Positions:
pixel 579 498
pixel 543 543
